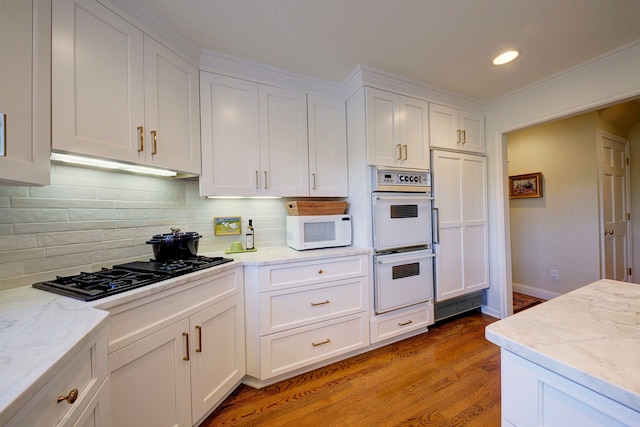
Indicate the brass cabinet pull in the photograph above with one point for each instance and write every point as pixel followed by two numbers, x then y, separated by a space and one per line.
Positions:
pixel 406 152
pixel 313 175
pixel 408 322
pixel 140 139
pixel 3 134
pixel 459 140
pixel 315 304
pixel 399 149
pixel 316 344
pixel 186 335
pixel 265 180
pixel 464 137
pixel 70 398
pixel 154 134
pixel 199 330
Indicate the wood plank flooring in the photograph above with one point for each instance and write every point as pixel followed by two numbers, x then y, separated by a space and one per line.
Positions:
pixel 449 376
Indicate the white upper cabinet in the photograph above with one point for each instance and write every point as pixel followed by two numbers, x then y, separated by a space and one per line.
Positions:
pixel 397 130
pixel 25 88
pixel 118 94
pixel 261 140
pixel 284 150
pixel 327 147
pixel 230 136
pixel 456 129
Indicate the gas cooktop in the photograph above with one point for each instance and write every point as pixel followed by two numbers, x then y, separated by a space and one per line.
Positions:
pixel 124 277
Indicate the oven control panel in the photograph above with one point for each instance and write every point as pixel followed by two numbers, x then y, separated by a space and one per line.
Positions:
pixel 401 180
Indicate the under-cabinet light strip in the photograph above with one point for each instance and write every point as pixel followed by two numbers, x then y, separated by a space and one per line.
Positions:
pixel 108 164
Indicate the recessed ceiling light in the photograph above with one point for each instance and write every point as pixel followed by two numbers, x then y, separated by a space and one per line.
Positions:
pixel 506 57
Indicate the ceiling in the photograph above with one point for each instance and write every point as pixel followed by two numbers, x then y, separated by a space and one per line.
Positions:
pixel 445 43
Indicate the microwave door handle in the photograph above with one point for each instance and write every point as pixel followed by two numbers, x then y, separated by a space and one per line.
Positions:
pixel 436 226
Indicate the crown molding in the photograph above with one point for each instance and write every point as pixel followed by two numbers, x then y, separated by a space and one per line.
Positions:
pixel 364 75
pixel 229 65
pixel 592 66
pixel 156 29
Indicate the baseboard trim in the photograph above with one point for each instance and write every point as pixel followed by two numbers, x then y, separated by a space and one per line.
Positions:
pixel 534 292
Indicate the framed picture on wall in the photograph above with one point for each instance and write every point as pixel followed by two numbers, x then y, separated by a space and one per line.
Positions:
pixel 224 226
pixel 525 186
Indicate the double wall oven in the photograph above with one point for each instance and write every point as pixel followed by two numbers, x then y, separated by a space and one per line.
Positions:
pixel 403 259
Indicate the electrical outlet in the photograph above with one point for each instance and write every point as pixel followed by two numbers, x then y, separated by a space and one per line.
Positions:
pixel 555 274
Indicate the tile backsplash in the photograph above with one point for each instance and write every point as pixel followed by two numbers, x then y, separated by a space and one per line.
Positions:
pixel 88 219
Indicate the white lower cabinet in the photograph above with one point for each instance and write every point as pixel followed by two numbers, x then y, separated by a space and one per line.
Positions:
pixel 175 356
pixel 86 376
pixel 535 396
pixel 299 314
pixel 401 322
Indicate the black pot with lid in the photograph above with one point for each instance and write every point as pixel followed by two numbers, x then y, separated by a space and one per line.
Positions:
pixel 175 245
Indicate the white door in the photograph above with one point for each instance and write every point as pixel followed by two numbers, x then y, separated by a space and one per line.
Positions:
pixel 614 206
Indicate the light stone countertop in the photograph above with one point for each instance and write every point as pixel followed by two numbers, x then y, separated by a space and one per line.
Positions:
pixel 41 331
pixel 590 336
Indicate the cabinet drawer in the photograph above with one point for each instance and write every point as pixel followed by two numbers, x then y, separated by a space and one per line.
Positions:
pixel 85 372
pixel 391 325
pixel 131 321
pixel 307 273
pixel 286 351
pixel 286 309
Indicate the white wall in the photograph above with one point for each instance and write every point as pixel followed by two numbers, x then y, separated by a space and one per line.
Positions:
pixel 603 81
pixel 559 231
pixel 88 219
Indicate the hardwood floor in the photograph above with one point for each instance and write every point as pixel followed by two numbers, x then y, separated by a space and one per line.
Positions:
pixel 449 376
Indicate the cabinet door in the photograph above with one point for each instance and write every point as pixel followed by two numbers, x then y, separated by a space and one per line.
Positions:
pixel 460 195
pixel 25 31
pixel 443 127
pixel 472 123
pixel 383 132
pixel 150 380
pixel 172 110
pixel 414 133
pixel 284 148
pixel 327 147
pixel 230 136
pixel 218 353
pixel 97 82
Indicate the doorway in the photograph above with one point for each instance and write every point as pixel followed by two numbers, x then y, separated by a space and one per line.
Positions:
pixel 556 245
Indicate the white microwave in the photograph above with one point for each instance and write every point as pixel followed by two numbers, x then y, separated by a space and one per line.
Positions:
pixel 318 231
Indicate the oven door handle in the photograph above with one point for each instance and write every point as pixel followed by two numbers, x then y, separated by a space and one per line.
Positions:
pixel 436 226
pixel 400 260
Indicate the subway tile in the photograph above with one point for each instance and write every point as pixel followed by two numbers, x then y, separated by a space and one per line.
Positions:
pixel 70 237
pixel 6 229
pixel 13 191
pixel 16 216
pixel 21 255
pixel 39 203
pixel 57 262
pixel 13 242
pixel 11 269
pixel 63 226
pixel 62 192
pixel 118 254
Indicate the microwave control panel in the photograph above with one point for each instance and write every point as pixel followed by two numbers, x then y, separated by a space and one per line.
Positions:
pixel 401 180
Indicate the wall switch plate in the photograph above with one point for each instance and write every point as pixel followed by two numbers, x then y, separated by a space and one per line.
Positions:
pixel 555 274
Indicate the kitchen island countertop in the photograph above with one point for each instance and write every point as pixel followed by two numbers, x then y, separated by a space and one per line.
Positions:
pixel 590 336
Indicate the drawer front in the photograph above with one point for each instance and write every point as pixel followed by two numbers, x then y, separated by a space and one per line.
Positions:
pixel 132 321
pixel 85 372
pixel 287 351
pixel 286 309
pixel 306 273
pixel 394 324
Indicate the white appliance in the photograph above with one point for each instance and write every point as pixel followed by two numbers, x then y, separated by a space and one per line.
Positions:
pixel 318 231
pixel 403 260
pixel 402 279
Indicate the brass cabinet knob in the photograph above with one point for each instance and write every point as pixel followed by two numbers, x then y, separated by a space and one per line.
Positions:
pixel 70 398
pixel 320 271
